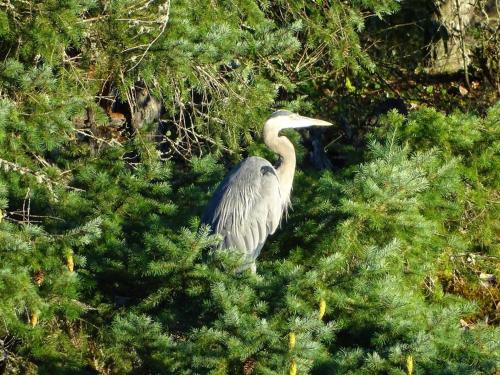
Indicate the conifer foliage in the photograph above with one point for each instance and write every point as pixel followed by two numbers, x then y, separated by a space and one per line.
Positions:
pixel 387 265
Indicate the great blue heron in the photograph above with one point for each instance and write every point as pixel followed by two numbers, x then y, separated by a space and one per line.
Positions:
pixel 248 204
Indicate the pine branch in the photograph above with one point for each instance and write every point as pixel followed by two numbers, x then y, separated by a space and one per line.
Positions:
pixel 39 176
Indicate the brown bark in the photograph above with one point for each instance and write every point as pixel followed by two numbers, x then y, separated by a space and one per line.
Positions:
pixel 451 52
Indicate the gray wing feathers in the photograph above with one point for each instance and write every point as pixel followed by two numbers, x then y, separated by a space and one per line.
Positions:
pixel 246 207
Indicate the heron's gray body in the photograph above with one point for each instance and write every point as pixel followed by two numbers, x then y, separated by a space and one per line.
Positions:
pixel 247 207
pixel 248 204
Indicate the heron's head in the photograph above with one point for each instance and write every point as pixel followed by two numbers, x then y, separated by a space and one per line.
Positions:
pixel 283 119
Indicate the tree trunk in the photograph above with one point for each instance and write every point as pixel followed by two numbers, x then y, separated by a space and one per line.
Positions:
pixel 451 51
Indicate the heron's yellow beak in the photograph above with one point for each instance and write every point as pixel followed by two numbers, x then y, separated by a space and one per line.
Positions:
pixel 298 121
pixel 288 120
pixel 316 122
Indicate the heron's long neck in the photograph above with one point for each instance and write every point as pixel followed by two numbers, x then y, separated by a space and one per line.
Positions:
pixel 284 148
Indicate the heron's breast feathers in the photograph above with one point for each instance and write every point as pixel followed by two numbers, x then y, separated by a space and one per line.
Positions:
pixel 248 205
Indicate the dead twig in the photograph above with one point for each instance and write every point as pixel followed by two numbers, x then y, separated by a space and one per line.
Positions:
pixel 162 30
pixel 39 176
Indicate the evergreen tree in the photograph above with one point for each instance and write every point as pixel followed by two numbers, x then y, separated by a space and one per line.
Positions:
pixel 102 266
